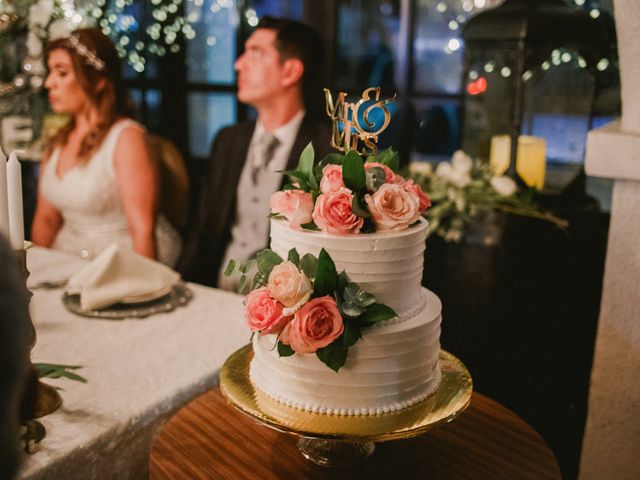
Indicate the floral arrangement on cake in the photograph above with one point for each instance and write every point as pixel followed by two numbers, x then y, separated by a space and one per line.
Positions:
pixel 463 188
pixel 308 305
pixel 344 194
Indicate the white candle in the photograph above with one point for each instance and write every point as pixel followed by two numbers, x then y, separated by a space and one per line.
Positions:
pixel 4 208
pixel 14 189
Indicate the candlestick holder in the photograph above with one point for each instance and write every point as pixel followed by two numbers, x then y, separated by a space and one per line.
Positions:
pixel 44 398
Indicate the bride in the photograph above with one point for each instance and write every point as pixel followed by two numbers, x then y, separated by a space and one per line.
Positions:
pixel 98 182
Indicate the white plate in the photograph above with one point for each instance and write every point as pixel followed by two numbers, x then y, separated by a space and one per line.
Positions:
pixel 147 297
pixel 179 296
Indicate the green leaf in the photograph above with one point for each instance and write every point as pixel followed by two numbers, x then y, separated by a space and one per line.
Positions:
pixel 333 355
pixel 378 313
pixel 326 279
pixel 357 208
pixel 293 257
pixel 52 370
pixel 231 266
pixel 267 259
pixel 309 226
pixel 305 165
pixel 352 333
pixel 389 158
pixel 299 179
pixel 343 280
pixel 285 350
pixel 277 216
pixel 353 173
pixel 330 159
pixel 309 264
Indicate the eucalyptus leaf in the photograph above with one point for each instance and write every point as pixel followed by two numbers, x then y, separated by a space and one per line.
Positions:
pixel 231 266
pixel 333 355
pixel 293 257
pixel 326 279
pixel 285 350
pixel 353 173
pixel 267 259
pixel 356 295
pixel 308 264
pixel 242 285
pixel 352 310
pixel 375 178
pixel 246 265
pixel 259 280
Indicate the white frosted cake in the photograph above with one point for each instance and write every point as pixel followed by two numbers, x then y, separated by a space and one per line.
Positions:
pixel 395 363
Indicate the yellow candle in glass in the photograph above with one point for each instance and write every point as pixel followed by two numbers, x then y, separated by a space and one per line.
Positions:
pixel 530 160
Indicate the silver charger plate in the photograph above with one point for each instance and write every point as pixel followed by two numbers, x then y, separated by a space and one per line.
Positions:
pixel 178 296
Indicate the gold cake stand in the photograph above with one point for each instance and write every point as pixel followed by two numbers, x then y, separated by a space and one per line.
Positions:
pixel 344 440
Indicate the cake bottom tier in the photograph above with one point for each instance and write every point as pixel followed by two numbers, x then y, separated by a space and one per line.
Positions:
pixel 393 366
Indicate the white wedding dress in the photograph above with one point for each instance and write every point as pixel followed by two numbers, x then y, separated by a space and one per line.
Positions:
pixel 88 198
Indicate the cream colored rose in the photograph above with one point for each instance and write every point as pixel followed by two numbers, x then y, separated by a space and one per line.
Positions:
pixel 393 208
pixel 288 285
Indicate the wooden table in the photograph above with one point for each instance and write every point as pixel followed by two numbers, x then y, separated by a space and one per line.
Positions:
pixel 211 439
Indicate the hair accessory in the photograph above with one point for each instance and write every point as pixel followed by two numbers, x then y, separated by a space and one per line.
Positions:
pixel 90 58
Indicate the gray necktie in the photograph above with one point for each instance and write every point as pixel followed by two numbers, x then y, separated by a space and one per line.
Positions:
pixel 266 148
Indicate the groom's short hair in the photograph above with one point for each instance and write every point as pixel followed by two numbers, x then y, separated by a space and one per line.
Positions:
pixel 295 39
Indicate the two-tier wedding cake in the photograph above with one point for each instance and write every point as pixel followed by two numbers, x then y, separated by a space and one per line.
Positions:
pixel 342 324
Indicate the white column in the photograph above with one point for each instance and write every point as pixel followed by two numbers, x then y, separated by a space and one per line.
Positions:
pixel 611 445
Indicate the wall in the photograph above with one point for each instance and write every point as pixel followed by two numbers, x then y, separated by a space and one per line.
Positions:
pixel 612 436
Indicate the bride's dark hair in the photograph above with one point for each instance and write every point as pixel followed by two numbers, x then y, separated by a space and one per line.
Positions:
pixel 98 69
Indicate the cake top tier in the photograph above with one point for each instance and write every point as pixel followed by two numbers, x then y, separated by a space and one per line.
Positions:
pixel 346 194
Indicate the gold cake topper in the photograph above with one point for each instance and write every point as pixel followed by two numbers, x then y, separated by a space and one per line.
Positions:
pixel 354 129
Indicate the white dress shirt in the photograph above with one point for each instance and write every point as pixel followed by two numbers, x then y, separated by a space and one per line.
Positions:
pixel 250 231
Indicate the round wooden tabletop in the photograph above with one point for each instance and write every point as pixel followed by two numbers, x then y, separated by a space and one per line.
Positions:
pixel 211 439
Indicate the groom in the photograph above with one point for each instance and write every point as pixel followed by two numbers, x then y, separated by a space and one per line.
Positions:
pixel 278 74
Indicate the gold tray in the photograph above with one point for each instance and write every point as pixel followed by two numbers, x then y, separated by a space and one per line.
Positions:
pixel 451 398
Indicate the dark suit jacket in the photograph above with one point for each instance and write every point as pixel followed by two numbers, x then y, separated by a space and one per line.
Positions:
pixel 211 232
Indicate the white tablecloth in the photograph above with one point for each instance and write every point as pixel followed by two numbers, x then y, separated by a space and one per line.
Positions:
pixel 139 372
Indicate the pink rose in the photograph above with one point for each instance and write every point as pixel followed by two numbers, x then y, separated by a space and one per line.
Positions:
pixel 392 207
pixel 288 285
pixel 263 313
pixel 295 205
pixel 317 324
pixel 331 179
pixel 411 186
pixel 333 213
pixel 390 177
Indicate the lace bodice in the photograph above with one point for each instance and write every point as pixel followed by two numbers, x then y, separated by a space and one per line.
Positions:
pixel 89 200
